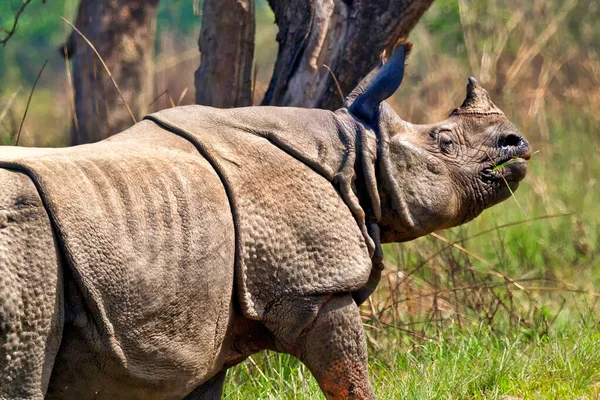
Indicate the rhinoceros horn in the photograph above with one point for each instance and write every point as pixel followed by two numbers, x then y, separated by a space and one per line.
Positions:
pixel 478 101
pixel 379 85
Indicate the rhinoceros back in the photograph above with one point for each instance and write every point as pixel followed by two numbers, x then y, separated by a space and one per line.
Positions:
pixel 145 224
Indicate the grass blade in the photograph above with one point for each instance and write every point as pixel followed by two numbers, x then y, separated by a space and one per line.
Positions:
pixel 29 102
pixel 104 65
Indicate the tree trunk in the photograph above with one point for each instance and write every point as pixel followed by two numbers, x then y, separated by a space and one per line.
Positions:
pixel 346 35
pixel 226 44
pixel 123 33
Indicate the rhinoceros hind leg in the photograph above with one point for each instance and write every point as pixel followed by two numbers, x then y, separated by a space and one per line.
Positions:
pixel 30 290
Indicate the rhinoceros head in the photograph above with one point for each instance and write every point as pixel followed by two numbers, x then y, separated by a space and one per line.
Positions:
pixel 441 175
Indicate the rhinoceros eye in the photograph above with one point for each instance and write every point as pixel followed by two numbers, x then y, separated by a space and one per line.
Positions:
pixel 446 143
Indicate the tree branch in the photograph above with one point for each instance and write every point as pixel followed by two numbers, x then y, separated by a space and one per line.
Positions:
pixel 10 32
pixel 346 35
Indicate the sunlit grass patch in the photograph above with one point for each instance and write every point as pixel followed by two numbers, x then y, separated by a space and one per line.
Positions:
pixel 463 364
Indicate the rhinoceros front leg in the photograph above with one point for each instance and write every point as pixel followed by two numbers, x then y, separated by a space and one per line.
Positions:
pixel 331 343
pixel 334 349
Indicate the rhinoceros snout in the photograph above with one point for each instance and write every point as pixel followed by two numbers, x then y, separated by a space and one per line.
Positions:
pixel 515 145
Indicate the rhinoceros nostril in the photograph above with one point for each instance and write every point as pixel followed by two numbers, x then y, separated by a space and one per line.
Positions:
pixel 511 140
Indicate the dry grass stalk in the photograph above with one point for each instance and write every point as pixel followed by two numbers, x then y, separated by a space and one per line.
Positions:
pixel 9 103
pixel 337 83
pixel 254 79
pixel 105 68
pixel 29 102
pixel 183 93
pixel 71 89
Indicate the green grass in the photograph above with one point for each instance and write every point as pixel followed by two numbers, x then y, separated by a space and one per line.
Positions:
pixel 479 364
pixel 465 364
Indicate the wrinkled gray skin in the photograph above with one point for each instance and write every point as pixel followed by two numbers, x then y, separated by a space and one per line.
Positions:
pixel 62 336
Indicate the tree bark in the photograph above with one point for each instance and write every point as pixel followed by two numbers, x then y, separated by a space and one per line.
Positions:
pixel 346 35
pixel 123 33
pixel 226 44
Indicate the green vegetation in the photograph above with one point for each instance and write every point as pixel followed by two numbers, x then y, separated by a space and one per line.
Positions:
pixel 503 306
pixel 41 33
pixel 466 364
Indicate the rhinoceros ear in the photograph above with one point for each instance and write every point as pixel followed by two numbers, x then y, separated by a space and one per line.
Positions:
pixel 379 85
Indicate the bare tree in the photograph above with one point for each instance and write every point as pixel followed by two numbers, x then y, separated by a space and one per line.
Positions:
pixel 348 36
pixel 122 31
pixel 224 78
pixel 325 48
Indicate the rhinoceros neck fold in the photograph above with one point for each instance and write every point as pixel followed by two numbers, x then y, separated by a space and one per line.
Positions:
pixel 388 171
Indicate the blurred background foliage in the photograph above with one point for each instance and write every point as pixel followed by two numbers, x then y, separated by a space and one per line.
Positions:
pixel 41 34
pixel 527 266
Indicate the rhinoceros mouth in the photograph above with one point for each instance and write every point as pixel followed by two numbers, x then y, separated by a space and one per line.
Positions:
pixel 511 167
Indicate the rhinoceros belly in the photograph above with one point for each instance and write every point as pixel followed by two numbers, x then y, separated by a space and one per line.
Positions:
pixel 146 228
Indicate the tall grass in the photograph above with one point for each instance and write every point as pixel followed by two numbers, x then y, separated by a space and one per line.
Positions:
pixel 545 77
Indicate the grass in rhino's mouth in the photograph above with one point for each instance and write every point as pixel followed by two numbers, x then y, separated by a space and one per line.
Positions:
pixel 505 163
pixel 510 161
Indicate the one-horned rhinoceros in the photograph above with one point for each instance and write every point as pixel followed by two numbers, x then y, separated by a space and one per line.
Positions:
pixel 145 265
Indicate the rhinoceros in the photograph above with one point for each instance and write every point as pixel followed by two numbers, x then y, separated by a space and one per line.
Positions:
pixel 146 265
